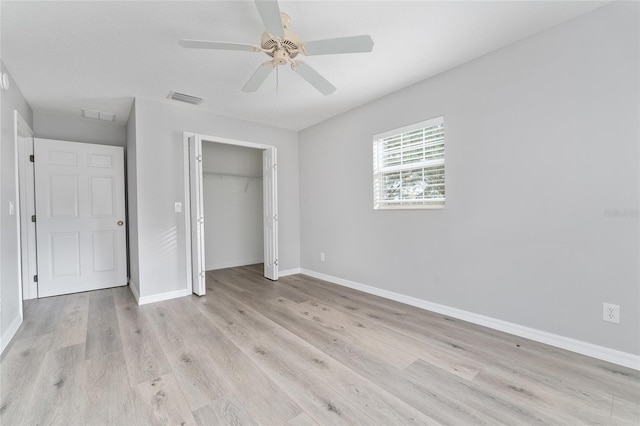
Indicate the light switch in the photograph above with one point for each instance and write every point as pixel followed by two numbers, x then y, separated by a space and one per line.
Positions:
pixel 178 207
pixel 12 208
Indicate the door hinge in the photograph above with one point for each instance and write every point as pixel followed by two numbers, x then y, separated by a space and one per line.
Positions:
pixel 275 262
pixel 35 278
pixel 33 218
pixel 32 158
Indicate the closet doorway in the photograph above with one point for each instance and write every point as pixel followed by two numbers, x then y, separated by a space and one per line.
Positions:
pixel 232 187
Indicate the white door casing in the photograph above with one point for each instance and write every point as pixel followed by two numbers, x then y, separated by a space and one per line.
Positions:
pixel 24 136
pixel 197 216
pixel 80 211
pixel 270 209
pixel 195 231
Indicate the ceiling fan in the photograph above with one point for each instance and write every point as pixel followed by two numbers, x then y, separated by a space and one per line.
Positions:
pixel 283 46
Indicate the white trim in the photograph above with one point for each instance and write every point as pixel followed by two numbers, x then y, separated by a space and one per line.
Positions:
pixel 9 333
pixel 288 272
pixel 231 264
pixel 589 349
pixel 133 286
pixel 408 128
pixel 237 142
pixel 187 190
pixel 26 186
pixel 164 296
pixel 186 208
pixel 196 217
pixel 431 206
pixel 18 122
pixel 380 200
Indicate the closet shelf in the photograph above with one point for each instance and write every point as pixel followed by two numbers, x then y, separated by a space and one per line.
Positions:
pixel 232 175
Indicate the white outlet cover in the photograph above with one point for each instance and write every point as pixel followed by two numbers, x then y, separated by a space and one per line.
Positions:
pixel 611 313
pixel 177 207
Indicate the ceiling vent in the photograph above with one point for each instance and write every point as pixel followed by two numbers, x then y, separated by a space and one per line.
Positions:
pixel 183 97
pixel 98 115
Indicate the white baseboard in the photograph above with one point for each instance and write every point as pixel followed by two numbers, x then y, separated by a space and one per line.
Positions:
pixel 133 286
pixel 595 351
pixel 9 333
pixel 231 264
pixel 288 272
pixel 163 296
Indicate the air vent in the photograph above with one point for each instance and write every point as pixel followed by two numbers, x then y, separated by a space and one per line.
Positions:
pixel 183 97
pixel 98 115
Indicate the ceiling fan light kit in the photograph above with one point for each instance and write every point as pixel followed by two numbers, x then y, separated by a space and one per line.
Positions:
pixel 283 46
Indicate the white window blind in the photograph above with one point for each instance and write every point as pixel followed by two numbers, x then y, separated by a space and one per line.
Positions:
pixel 408 166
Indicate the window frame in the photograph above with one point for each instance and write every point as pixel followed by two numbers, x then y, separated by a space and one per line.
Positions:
pixel 379 171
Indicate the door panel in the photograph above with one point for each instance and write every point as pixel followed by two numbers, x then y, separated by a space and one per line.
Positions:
pixel 65 254
pixel 101 192
pixel 197 216
pixel 63 196
pixel 63 158
pixel 80 217
pixel 270 209
pixel 104 251
pixel 96 160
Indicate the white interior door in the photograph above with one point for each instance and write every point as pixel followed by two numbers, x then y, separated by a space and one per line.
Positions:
pixel 80 211
pixel 197 216
pixel 270 208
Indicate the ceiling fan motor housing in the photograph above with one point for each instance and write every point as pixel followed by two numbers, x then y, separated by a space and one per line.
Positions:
pixel 282 49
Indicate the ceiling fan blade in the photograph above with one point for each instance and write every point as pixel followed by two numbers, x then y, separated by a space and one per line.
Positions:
pixel 353 44
pixel 258 77
pixel 270 14
pixel 315 79
pixel 204 44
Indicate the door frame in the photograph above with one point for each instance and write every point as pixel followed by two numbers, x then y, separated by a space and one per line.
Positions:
pixel 26 191
pixel 187 190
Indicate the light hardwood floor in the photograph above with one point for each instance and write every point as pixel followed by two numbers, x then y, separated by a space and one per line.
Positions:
pixel 299 351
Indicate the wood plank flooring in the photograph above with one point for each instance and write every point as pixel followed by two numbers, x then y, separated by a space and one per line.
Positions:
pixel 299 351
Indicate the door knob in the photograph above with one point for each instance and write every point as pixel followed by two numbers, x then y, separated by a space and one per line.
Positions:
pixel 120 223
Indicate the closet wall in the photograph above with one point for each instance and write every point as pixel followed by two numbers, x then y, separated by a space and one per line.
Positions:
pixel 232 189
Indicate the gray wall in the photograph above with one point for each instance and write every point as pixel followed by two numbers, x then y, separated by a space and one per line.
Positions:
pixel 542 145
pixel 11 100
pixel 61 127
pixel 159 169
pixel 232 193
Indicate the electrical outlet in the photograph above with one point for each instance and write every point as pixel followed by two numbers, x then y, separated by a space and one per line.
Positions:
pixel 611 313
pixel 321 256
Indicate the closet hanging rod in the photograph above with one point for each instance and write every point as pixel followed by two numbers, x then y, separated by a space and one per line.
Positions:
pixel 232 175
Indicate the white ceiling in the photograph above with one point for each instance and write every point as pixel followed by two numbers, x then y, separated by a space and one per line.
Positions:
pixel 100 54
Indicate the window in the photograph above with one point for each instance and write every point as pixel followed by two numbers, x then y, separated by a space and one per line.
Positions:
pixel 408 167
